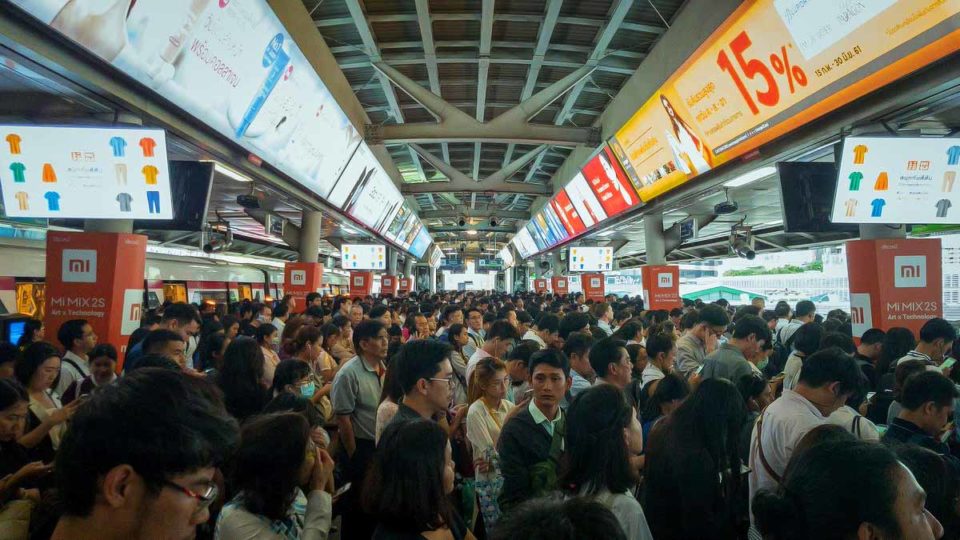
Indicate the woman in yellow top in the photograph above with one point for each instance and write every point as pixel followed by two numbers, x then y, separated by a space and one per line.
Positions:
pixel 485 418
pixel 266 335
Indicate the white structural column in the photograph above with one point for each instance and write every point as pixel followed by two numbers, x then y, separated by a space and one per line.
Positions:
pixel 654 238
pixel 309 247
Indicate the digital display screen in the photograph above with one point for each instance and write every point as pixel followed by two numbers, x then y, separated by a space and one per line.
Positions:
pixel 610 184
pixel 591 259
pixel 15 331
pixel 524 243
pixel 88 173
pixel 363 257
pixel 585 201
pixel 506 256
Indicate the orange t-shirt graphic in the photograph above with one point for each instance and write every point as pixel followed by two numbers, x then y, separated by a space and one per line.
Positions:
pixel 14 141
pixel 49 175
pixel 150 175
pixel 859 152
pixel 882 183
pixel 147 144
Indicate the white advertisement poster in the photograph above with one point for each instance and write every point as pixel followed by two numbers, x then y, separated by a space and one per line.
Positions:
pixel 84 173
pixel 591 259
pixel 363 257
pixel 898 180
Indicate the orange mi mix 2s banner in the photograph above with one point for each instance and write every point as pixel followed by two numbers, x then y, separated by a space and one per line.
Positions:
pixel 771 67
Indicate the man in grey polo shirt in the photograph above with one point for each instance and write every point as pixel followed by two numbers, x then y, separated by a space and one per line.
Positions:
pixel 356 396
pixel 729 361
pixel 708 324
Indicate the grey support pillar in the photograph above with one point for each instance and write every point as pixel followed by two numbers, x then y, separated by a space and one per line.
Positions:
pixel 557 265
pixel 310 236
pixel 877 232
pixel 392 261
pixel 653 234
pixel 433 279
pixel 408 266
pixel 108 225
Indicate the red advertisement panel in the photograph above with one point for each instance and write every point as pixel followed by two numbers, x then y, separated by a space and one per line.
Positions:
pixel 661 287
pixel 301 279
pixel 610 184
pixel 361 283
pixel 594 287
pixel 389 285
pixel 560 285
pixel 540 285
pixel 567 213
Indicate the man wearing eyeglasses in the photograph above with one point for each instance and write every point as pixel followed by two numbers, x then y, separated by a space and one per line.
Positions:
pixel 729 361
pixel 706 325
pixel 139 458
pixel 427 379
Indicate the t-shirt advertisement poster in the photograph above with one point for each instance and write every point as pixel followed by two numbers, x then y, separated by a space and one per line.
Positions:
pixel 84 173
pixel 898 180
pixel 771 67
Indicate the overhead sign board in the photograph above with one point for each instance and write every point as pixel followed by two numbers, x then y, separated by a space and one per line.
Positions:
pixel 898 180
pixel 435 257
pixel 363 257
pixel 506 256
pixel 591 259
pixel 489 264
pixel 771 67
pixel 89 173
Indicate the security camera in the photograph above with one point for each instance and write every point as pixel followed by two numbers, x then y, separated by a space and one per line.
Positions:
pixel 493 221
pixel 741 242
pixel 462 221
pixel 463 247
pixel 220 242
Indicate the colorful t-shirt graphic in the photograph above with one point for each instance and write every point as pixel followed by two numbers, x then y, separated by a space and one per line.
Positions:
pixel 859 152
pixel 22 200
pixel 851 206
pixel 119 146
pixel 878 205
pixel 53 201
pixel 147 144
pixel 49 175
pixel 124 200
pixel 942 206
pixel 14 141
pixel 121 171
pixel 153 202
pixel 949 178
pixel 882 183
pixel 18 169
pixel 150 175
pixel 855 178
pixel 953 155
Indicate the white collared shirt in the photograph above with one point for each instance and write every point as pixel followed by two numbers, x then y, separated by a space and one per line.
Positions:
pixel 533 336
pixel 69 373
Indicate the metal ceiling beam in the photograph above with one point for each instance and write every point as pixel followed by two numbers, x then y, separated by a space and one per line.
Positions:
pixel 540 50
pixel 604 37
pixel 503 17
pixel 483 69
pixel 479 227
pixel 476 214
pixel 492 105
pixel 457 126
pixel 497 182
pixel 503 83
pixel 611 64
pixel 430 54
pixel 475 44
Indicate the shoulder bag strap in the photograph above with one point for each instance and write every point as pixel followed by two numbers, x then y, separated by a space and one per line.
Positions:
pixel 763 458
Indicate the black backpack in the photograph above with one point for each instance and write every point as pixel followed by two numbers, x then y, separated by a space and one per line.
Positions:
pixel 781 352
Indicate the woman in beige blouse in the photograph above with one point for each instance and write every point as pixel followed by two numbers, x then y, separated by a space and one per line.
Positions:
pixel 485 417
pixel 37 370
pixel 266 336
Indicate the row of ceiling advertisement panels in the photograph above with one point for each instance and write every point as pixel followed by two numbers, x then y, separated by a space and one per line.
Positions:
pixel 233 66
pixel 771 67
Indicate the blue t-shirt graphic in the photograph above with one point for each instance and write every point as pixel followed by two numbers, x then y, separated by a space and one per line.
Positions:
pixel 53 201
pixel 119 146
pixel 877 207
pixel 953 155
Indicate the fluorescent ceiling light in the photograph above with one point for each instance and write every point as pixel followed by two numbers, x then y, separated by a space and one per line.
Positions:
pixel 751 177
pixel 230 173
pixel 472 232
pixel 606 233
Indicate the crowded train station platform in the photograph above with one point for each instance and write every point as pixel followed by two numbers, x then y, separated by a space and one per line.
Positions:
pixel 479 269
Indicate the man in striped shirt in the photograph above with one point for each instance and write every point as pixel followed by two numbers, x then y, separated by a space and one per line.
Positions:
pixel 936 341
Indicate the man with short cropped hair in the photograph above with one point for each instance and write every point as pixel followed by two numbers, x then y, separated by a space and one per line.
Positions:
pixel 611 362
pixel 729 361
pixel 313 299
pixel 78 339
pixel 501 339
pixel 927 399
pixel 123 468
pixel 546 332
pixel 474 331
pixel 577 348
pixel 693 346
pixel 603 312
pixel 426 376
pixel 381 313
pixel 166 343
pixel 936 341
pixel 181 318
pixel 868 353
pixel 805 312
pixel 574 322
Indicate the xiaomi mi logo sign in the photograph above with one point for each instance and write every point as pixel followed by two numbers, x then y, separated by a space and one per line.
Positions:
pixel 358 281
pixel 132 310
pixel 79 266
pixel 562 284
pixel 861 316
pixel 910 271
pixel 665 280
pixel 298 277
pixel 594 283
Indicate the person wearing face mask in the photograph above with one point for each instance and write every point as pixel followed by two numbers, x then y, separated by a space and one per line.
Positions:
pixel 936 341
pixel 828 378
pixel 295 377
pixel 603 433
pixel 729 361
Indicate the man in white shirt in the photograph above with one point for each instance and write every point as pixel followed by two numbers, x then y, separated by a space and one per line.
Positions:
pixel 806 312
pixel 546 332
pixel 604 314
pixel 611 362
pixel 828 378
pixel 501 338
pixel 577 348
pixel 78 339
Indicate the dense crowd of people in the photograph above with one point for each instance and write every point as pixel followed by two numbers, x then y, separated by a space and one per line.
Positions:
pixel 467 415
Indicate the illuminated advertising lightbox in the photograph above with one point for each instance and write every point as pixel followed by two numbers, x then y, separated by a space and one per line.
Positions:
pixel 610 184
pixel 435 257
pixel 585 201
pixel 524 243
pixel 567 213
pixel 771 67
pixel 363 257
pixel 591 259
pixel 88 173
pixel 898 180
pixel 506 256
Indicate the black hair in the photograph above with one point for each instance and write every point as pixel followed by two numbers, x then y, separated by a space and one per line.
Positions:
pixel 404 485
pixel 838 340
pixel 659 343
pixel 289 372
pixel 241 375
pixel 628 331
pixel 925 387
pixel 287 402
pixel 8 352
pixel 578 343
pixel 553 358
pixel 872 336
pixel 392 389
pixel 30 326
pixel 311 296
pixel 807 338
pixel 829 366
pixel 489 317
pixel 782 310
pixel 420 359
pixel 573 322
pixel 183 312
pixel 603 353
pixel 939 480
pixel 549 322
pixel 159 422
pixel 264 331
pixel 897 343
pixel 832 325
pixel 156 339
pixel 804 308
pixel 31 359
pixel 210 348
pixel 831 489
pixel 367 329
pixel 750 325
pixel 280 310
pixel 69 332
pixel 670 388
pixel 265 471
pixel 154 361
pixel 553 518
pixel 502 329
pixel 104 349
pixel 11 393
pixel 524 351
pixel 937 328
pixel 596 456
pixel 378 311
pixel 690 319
pixel 903 372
